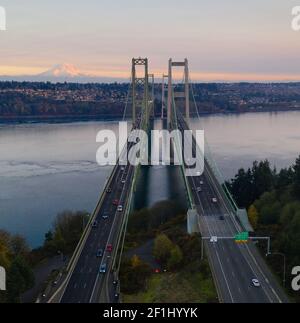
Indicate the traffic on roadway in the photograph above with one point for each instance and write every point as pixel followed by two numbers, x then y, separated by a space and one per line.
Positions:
pixel 239 271
pixel 92 279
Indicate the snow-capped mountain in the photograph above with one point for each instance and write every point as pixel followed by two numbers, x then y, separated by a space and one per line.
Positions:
pixel 62 73
pixel 63 70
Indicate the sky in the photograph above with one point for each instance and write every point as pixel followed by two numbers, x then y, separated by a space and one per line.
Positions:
pixel 230 40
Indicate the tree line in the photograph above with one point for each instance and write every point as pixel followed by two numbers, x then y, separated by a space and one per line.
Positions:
pixel 19 260
pixel 273 201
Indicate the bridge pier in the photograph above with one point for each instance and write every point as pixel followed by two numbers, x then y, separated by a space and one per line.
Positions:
pixel 192 221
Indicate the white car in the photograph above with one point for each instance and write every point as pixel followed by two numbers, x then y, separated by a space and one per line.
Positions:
pixel 201 182
pixel 214 200
pixel 255 282
pixel 120 208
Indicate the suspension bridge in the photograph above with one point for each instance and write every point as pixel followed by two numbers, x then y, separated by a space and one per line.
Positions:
pixel 92 272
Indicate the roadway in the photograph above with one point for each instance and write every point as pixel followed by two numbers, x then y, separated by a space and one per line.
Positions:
pixel 233 265
pixel 86 284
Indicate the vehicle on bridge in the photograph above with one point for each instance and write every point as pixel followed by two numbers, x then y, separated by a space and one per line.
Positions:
pixel 95 224
pixel 109 248
pixel 99 253
pixel 102 269
pixel 105 215
pixel 255 282
pixel 120 208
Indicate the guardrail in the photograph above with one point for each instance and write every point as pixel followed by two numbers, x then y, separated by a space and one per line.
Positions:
pixel 182 168
pixel 225 195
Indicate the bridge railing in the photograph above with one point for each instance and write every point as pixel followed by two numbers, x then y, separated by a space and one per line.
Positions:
pixel 174 123
pixel 77 252
pixel 219 184
pixel 127 210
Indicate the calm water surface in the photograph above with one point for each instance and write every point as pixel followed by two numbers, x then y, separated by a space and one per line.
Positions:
pixel 46 168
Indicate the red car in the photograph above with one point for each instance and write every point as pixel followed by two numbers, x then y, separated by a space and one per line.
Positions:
pixel 109 248
pixel 115 202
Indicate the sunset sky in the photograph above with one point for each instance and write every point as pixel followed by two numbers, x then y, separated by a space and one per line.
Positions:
pixel 227 40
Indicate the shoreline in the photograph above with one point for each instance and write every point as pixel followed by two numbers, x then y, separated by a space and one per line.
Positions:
pixel 86 118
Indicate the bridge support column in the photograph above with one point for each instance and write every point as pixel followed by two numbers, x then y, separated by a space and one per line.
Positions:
pixel 133 79
pixel 192 221
pixel 163 92
pixel 187 92
pixel 169 107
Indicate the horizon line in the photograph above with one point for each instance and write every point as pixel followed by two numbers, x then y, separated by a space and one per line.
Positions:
pixel 120 74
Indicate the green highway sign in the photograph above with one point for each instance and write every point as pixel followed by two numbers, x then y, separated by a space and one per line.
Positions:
pixel 242 237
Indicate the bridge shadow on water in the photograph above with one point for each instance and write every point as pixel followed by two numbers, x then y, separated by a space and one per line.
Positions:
pixel 158 183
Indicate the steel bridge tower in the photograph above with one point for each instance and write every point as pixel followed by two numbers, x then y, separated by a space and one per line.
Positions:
pixel 184 94
pixel 140 100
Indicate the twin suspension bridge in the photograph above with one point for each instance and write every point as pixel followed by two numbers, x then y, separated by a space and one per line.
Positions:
pixel 211 211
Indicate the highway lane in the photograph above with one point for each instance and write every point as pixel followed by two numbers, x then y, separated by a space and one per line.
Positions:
pixel 247 256
pixel 86 281
pixel 104 288
pixel 86 270
pixel 234 265
pixel 235 270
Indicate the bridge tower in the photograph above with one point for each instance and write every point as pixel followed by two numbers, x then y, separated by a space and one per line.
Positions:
pixel 140 100
pixel 152 77
pixel 184 94
pixel 163 92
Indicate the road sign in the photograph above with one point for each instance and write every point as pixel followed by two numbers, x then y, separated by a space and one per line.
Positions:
pixel 242 237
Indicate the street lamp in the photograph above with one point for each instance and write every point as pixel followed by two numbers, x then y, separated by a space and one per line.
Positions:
pixel 284 263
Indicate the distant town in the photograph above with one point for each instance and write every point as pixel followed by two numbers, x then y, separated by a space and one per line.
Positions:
pixel 44 99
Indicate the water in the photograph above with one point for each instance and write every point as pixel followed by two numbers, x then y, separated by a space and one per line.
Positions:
pixel 237 140
pixel 46 168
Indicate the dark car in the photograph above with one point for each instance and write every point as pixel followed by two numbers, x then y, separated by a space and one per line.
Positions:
pixel 102 269
pixel 108 190
pixel 221 217
pixel 95 224
pixel 99 253
pixel 105 215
